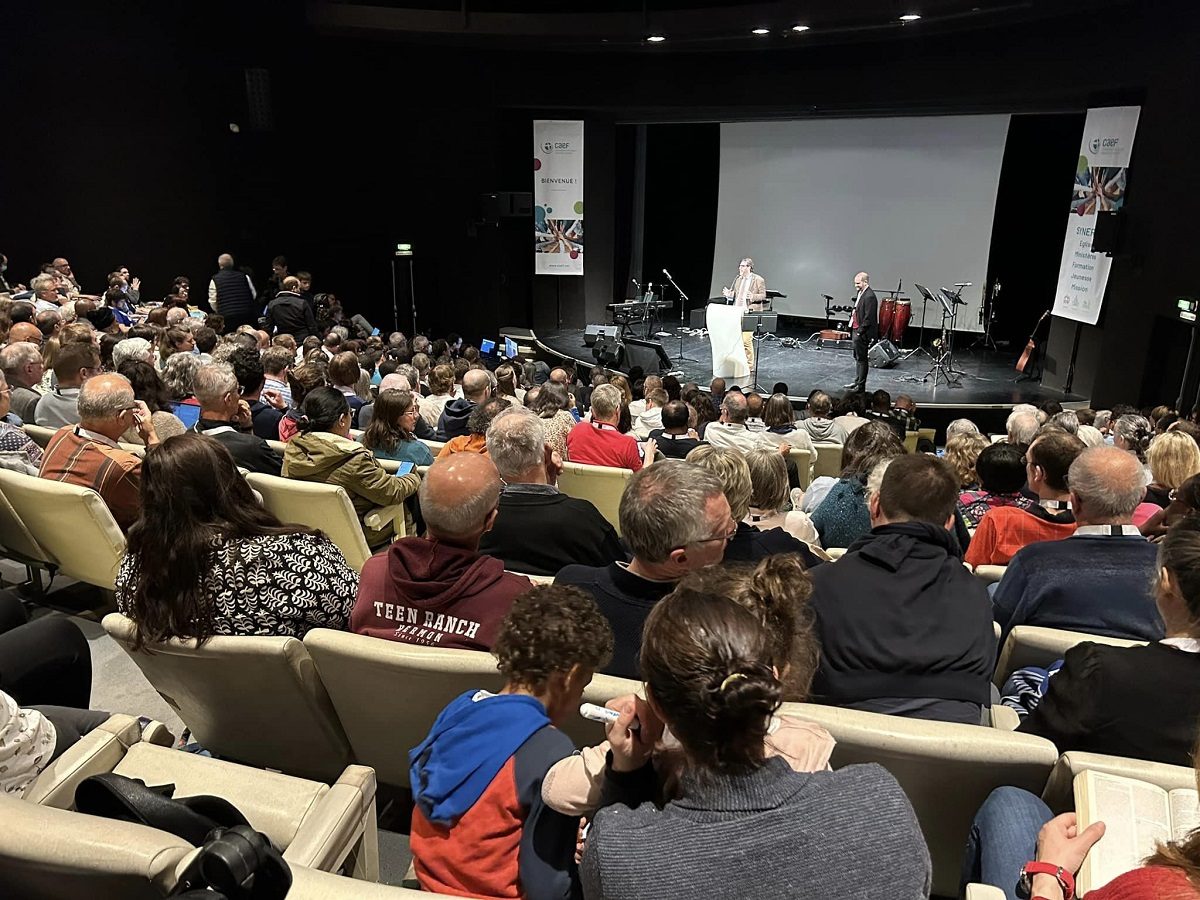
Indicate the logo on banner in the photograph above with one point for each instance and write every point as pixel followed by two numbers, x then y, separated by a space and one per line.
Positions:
pixel 548 146
pixel 1109 144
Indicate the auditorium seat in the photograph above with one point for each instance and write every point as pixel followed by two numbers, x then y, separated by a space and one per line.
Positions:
pixel 328 507
pixel 947 770
pixel 910 441
pixel 990 574
pixel 40 436
pixel 601 689
pixel 407 686
pixel 1059 793
pixel 983 892
pixel 256 700
pixel 314 824
pixel 829 460
pixel 805 462
pixel 18 543
pixel 928 434
pixel 1032 645
pixel 71 523
pixel 835 553
pixel 309 884
pixel 602 485
pixel 435 447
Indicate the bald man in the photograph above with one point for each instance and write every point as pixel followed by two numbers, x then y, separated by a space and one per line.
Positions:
pixel 438 590
pixel 1100 579
pixel 864 328
pixel 477 389
pixel 25 332
pixel 87 454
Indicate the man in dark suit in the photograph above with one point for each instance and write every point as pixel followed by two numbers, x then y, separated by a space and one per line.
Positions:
pixel 864 324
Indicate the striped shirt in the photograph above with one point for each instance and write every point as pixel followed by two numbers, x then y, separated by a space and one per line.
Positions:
pixel 77 456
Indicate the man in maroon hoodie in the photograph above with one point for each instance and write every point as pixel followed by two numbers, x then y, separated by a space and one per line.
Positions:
pixel 439 591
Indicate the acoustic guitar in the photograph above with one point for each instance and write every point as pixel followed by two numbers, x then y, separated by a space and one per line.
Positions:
pixel 1030 345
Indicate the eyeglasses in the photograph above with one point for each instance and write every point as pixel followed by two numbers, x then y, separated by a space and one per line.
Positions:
pixel 726 537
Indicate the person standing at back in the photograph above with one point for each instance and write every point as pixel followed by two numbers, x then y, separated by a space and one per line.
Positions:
pixel 231 293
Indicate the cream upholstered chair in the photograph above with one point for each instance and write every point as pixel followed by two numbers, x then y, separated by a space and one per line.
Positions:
pixel 984 892
pixel 601 689
pixel 947 770
pixel 18 543
pixel 97 751
pixel 929 434
pixel 805 463
pixel 278 446
pixel 835 553
pixel 424 680
pixel 1059 793
pixel 55 854
pixel 325 506
pixel 989 574
pixel 257 700
pixel 435 447
pixel 71 523
pixel 602 485
pixel 910 441
pixel 829 460
pixel 1032 645
pixel 38 434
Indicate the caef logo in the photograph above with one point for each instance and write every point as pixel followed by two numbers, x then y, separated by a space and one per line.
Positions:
pixel 547 147
pixel 1094 145
pixel 1108 143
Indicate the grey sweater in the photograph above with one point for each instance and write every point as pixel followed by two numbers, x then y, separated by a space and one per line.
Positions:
pixel 773 833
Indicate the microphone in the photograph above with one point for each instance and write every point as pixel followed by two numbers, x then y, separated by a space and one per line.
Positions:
pixel 668 274
pixel 827 297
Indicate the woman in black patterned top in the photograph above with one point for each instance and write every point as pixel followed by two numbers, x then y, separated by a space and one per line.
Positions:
pixel 204 558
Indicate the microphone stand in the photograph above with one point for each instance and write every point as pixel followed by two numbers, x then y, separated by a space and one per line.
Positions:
pixel 683 302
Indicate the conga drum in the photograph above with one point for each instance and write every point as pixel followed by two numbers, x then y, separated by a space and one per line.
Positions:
pixel 887 310
pixel 901 320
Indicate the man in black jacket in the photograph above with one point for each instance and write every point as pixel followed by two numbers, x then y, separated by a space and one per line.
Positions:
pixel 290 313
pixel 226 417
pixel 864 327
pixel 539 529
pixel 904 628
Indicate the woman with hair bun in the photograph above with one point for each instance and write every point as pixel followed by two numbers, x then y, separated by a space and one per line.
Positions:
pixel 1133 433
pixel 744 824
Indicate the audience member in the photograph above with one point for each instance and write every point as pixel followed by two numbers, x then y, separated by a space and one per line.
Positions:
pixel 769 498
pixel 840 515
pixel 1001 473
pixel 266 409
pixel 73 365
pixel 22 364
pixel 743 822
pixel 477 389
pixel 441 392
pixel 17 450
pixel 439 590
pixel 549 644
pixel 553 405
pixel 225 417
pixel 676 439
pixel 231 293
pixel 175 340
pixel 651 416
pixel 906 411
pixel 475 440
pixel 302 379
pixel 1173 458
pixel 277 364
pixel 1133 434
pixel 290 313
pixel 1098 579
pixel 539 530
pixel 881 411
pixel 343 376
pixel 733 431
pixel 87 454
pixel 390 434
pixel 324 452
pixel 1005 530
pixel 904 627
pixel 818 424
pixel 149 388
pixel 205 558
pixel 599 443
pixel 1022 427
pixel 133 348
pixel 674 518
pixel 962 452
pixel 178 374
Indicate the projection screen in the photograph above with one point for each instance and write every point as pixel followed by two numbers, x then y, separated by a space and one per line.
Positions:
pixel 815 201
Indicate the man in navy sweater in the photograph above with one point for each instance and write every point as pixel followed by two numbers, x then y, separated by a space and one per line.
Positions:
pixel 1099 579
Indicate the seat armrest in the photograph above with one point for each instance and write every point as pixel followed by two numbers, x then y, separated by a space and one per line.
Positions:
pixel 377 519
pixel 1004 717
pixel 97 752
pixel 340 828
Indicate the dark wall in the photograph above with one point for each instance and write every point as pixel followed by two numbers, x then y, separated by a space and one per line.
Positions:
pixel 119 151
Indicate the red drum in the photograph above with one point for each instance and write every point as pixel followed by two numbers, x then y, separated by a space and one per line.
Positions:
pixel 900 322
pixel 887 309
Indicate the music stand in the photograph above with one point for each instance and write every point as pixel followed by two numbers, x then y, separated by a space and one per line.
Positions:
pixel 759 320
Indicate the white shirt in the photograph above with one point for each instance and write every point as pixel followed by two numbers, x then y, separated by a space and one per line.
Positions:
pixel 1107 531
pixel 739 437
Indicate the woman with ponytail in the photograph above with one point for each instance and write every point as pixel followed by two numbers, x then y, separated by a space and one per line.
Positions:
pixel 743 823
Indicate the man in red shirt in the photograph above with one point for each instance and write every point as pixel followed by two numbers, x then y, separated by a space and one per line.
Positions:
pixel 599 443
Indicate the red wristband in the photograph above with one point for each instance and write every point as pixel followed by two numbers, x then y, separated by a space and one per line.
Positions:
pixel 1065 879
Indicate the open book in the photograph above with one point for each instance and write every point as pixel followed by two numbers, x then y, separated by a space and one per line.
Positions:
pixel 1137 815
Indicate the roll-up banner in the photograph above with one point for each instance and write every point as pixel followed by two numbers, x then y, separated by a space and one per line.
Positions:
pixel 1099 187
pixel 558 197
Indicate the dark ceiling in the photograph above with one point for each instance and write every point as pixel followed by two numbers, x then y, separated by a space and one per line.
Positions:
pixel 685 24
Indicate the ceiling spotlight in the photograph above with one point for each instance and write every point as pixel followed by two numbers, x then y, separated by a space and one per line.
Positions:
pixel 799 28
pixel 911 17
pixel 656 38
pixel 761 31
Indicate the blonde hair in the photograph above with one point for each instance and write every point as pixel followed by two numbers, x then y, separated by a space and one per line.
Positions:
pixel 1174 457
pixel 962 452
pixel 734 474
pixel 768 479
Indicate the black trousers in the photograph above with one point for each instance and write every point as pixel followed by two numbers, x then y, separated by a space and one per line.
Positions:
pixel 44 662
pixel 862 344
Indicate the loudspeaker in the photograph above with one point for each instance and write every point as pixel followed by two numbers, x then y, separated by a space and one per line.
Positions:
pixel 609 352
pixel 697 318
pixel 592 332
pixel 883 355
pixel 650 355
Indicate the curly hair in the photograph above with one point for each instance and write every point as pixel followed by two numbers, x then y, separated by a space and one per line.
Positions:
pixel 962 452
pixel 548 630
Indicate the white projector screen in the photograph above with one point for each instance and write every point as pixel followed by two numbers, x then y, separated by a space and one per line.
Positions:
pixel 814 202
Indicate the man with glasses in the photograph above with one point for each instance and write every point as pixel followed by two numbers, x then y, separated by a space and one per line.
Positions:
pixel 74 364
pixel 45 293
pixel 226 416
pixel 23 368
pixel 87 454
pixel 674 518
pixel 69 281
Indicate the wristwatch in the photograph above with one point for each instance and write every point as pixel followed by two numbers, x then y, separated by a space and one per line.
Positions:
pixel 1065 879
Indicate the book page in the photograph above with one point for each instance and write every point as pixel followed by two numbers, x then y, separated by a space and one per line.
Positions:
pixel 1185 812
pixel 1136 816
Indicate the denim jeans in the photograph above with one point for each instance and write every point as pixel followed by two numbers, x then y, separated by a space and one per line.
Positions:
pixel 1003 838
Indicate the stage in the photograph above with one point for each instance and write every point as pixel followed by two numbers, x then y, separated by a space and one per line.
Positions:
pixel 989 379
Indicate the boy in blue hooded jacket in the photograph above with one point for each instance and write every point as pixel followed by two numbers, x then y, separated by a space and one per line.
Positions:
pixel 479 826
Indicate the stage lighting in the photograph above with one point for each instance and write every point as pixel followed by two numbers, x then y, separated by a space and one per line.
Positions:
pixel 656 38
pixel 799 29
pixel 911 17
pixel 761 31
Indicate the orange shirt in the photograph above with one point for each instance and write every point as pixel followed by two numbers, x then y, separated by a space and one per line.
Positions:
pixel 1006 529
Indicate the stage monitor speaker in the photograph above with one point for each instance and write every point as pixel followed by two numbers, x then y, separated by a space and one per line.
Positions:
pixel 649 355
pixel 609 352
pixel 1109 233
pixel 592 332
pixel 883 355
